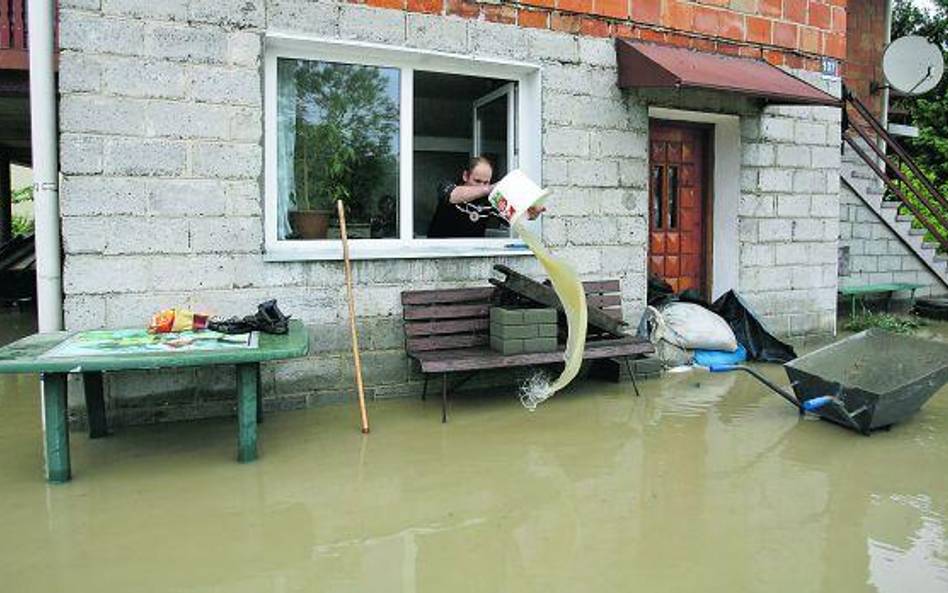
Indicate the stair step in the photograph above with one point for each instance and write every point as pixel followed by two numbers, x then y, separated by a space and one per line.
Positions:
pixel 917 233
pixel 929 245
pixel 890 204
pixel 904 218
pixel 941 257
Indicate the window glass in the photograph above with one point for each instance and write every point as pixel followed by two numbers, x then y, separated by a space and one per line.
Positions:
pixel 658 187
pixel 337 139
pixel 673 196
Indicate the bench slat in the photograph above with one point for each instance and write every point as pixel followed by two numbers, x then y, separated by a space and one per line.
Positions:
pixel 432 328
pixel 603 301
pixel 448 342
pixel 601 286
pixel 454 295
pixel 483 358
pixel 446 311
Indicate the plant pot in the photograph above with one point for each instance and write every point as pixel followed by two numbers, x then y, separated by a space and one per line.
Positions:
pixel 310 224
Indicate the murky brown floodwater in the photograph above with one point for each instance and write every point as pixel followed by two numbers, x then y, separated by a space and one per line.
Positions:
pixel 705 483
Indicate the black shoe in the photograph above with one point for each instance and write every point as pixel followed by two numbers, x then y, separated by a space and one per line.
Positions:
pixel 270 319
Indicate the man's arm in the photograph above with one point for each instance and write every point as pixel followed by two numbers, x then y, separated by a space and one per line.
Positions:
pixel 462 194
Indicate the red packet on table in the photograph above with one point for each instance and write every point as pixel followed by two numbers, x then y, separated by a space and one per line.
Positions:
pixel 162 322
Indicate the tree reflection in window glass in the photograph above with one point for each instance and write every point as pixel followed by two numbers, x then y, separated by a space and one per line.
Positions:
pixel 337 139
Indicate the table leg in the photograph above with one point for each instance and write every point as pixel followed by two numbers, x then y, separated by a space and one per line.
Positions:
pixel 95 404
pixel 247 412
pixel 259 396
pixel 56 428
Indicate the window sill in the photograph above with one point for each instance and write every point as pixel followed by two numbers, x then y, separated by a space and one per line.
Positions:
pixel 287 251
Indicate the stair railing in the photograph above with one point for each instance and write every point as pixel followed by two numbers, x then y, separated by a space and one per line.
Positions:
pixel 929 205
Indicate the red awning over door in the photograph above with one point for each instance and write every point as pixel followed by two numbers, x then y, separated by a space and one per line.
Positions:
pixel 647 65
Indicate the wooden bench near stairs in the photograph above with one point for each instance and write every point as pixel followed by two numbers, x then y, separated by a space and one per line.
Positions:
pixel 448 331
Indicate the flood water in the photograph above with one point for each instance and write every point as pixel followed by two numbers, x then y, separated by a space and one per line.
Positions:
pixel 704 483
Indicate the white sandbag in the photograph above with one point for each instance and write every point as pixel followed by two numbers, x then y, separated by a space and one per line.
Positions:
pixel 691 326
pixel 671 355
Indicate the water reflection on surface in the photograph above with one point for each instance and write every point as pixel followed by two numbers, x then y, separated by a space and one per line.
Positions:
pixel 706 482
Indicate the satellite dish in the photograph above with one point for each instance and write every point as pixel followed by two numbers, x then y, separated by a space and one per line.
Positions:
pixel 913 65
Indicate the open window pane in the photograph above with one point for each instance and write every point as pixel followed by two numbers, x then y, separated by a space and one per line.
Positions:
pixel 457 117
pixel 337 139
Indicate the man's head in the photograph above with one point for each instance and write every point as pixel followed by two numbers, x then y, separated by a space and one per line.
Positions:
pixel 479 172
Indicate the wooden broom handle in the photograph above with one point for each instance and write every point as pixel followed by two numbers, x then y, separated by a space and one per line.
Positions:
pixel 352 317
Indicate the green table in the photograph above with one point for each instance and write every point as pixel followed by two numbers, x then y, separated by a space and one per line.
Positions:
pixel 888 288
pixel 27 356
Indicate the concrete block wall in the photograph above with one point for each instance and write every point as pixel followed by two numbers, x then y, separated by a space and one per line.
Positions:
pixel 595 161
pixel 789 220
pixel 162 193
pixel 876 254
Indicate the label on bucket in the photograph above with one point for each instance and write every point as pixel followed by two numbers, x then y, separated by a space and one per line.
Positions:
pixel 515 194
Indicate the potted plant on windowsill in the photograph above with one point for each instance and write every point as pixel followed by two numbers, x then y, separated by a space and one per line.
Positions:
pixel 315 202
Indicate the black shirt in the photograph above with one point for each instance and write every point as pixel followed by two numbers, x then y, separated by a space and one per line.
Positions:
pixel 448 221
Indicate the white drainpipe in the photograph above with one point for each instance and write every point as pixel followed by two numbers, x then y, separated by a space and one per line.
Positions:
pixel 49 289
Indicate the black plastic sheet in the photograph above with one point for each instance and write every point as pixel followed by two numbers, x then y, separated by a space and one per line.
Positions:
pixel 750 331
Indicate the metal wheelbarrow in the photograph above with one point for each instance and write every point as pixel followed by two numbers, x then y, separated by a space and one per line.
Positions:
pixel 868 381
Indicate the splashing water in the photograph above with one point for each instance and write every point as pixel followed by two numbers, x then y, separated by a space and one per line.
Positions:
pixel 538 388
pixel 535 390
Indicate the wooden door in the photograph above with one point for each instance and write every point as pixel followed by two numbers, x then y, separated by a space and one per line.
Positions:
pixel 677 205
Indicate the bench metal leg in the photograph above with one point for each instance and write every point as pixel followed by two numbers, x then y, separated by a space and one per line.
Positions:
pixel 444 397
pixel 247 412
pixel 56 428
pixel 92 384
pixel 635 385
pixel 424 391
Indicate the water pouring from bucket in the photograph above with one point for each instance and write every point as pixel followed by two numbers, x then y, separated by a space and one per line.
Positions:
pixel 515 196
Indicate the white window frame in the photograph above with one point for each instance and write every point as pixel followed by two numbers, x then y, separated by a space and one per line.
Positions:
pixel 529 156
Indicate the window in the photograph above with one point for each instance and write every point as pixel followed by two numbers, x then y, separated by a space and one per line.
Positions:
pixel 382 129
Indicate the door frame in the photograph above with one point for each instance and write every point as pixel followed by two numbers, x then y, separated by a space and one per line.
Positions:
pixel 728 147
pixel 706 131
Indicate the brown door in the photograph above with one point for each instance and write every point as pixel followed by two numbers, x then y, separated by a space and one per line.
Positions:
pixel 677 204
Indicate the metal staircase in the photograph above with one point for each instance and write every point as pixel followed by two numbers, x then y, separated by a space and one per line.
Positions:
pixel 882 174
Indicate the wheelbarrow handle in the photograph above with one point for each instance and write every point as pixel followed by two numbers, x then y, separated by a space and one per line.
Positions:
pixel 726 368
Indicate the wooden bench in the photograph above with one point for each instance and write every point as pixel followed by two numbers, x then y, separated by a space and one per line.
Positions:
pixel 448 331
pixel 857 291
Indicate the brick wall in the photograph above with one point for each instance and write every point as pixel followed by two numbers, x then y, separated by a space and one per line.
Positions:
pixel 791 32
pixel 162 191
pixel 866 34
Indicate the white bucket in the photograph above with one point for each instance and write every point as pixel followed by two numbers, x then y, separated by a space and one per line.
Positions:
pixel 515 194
